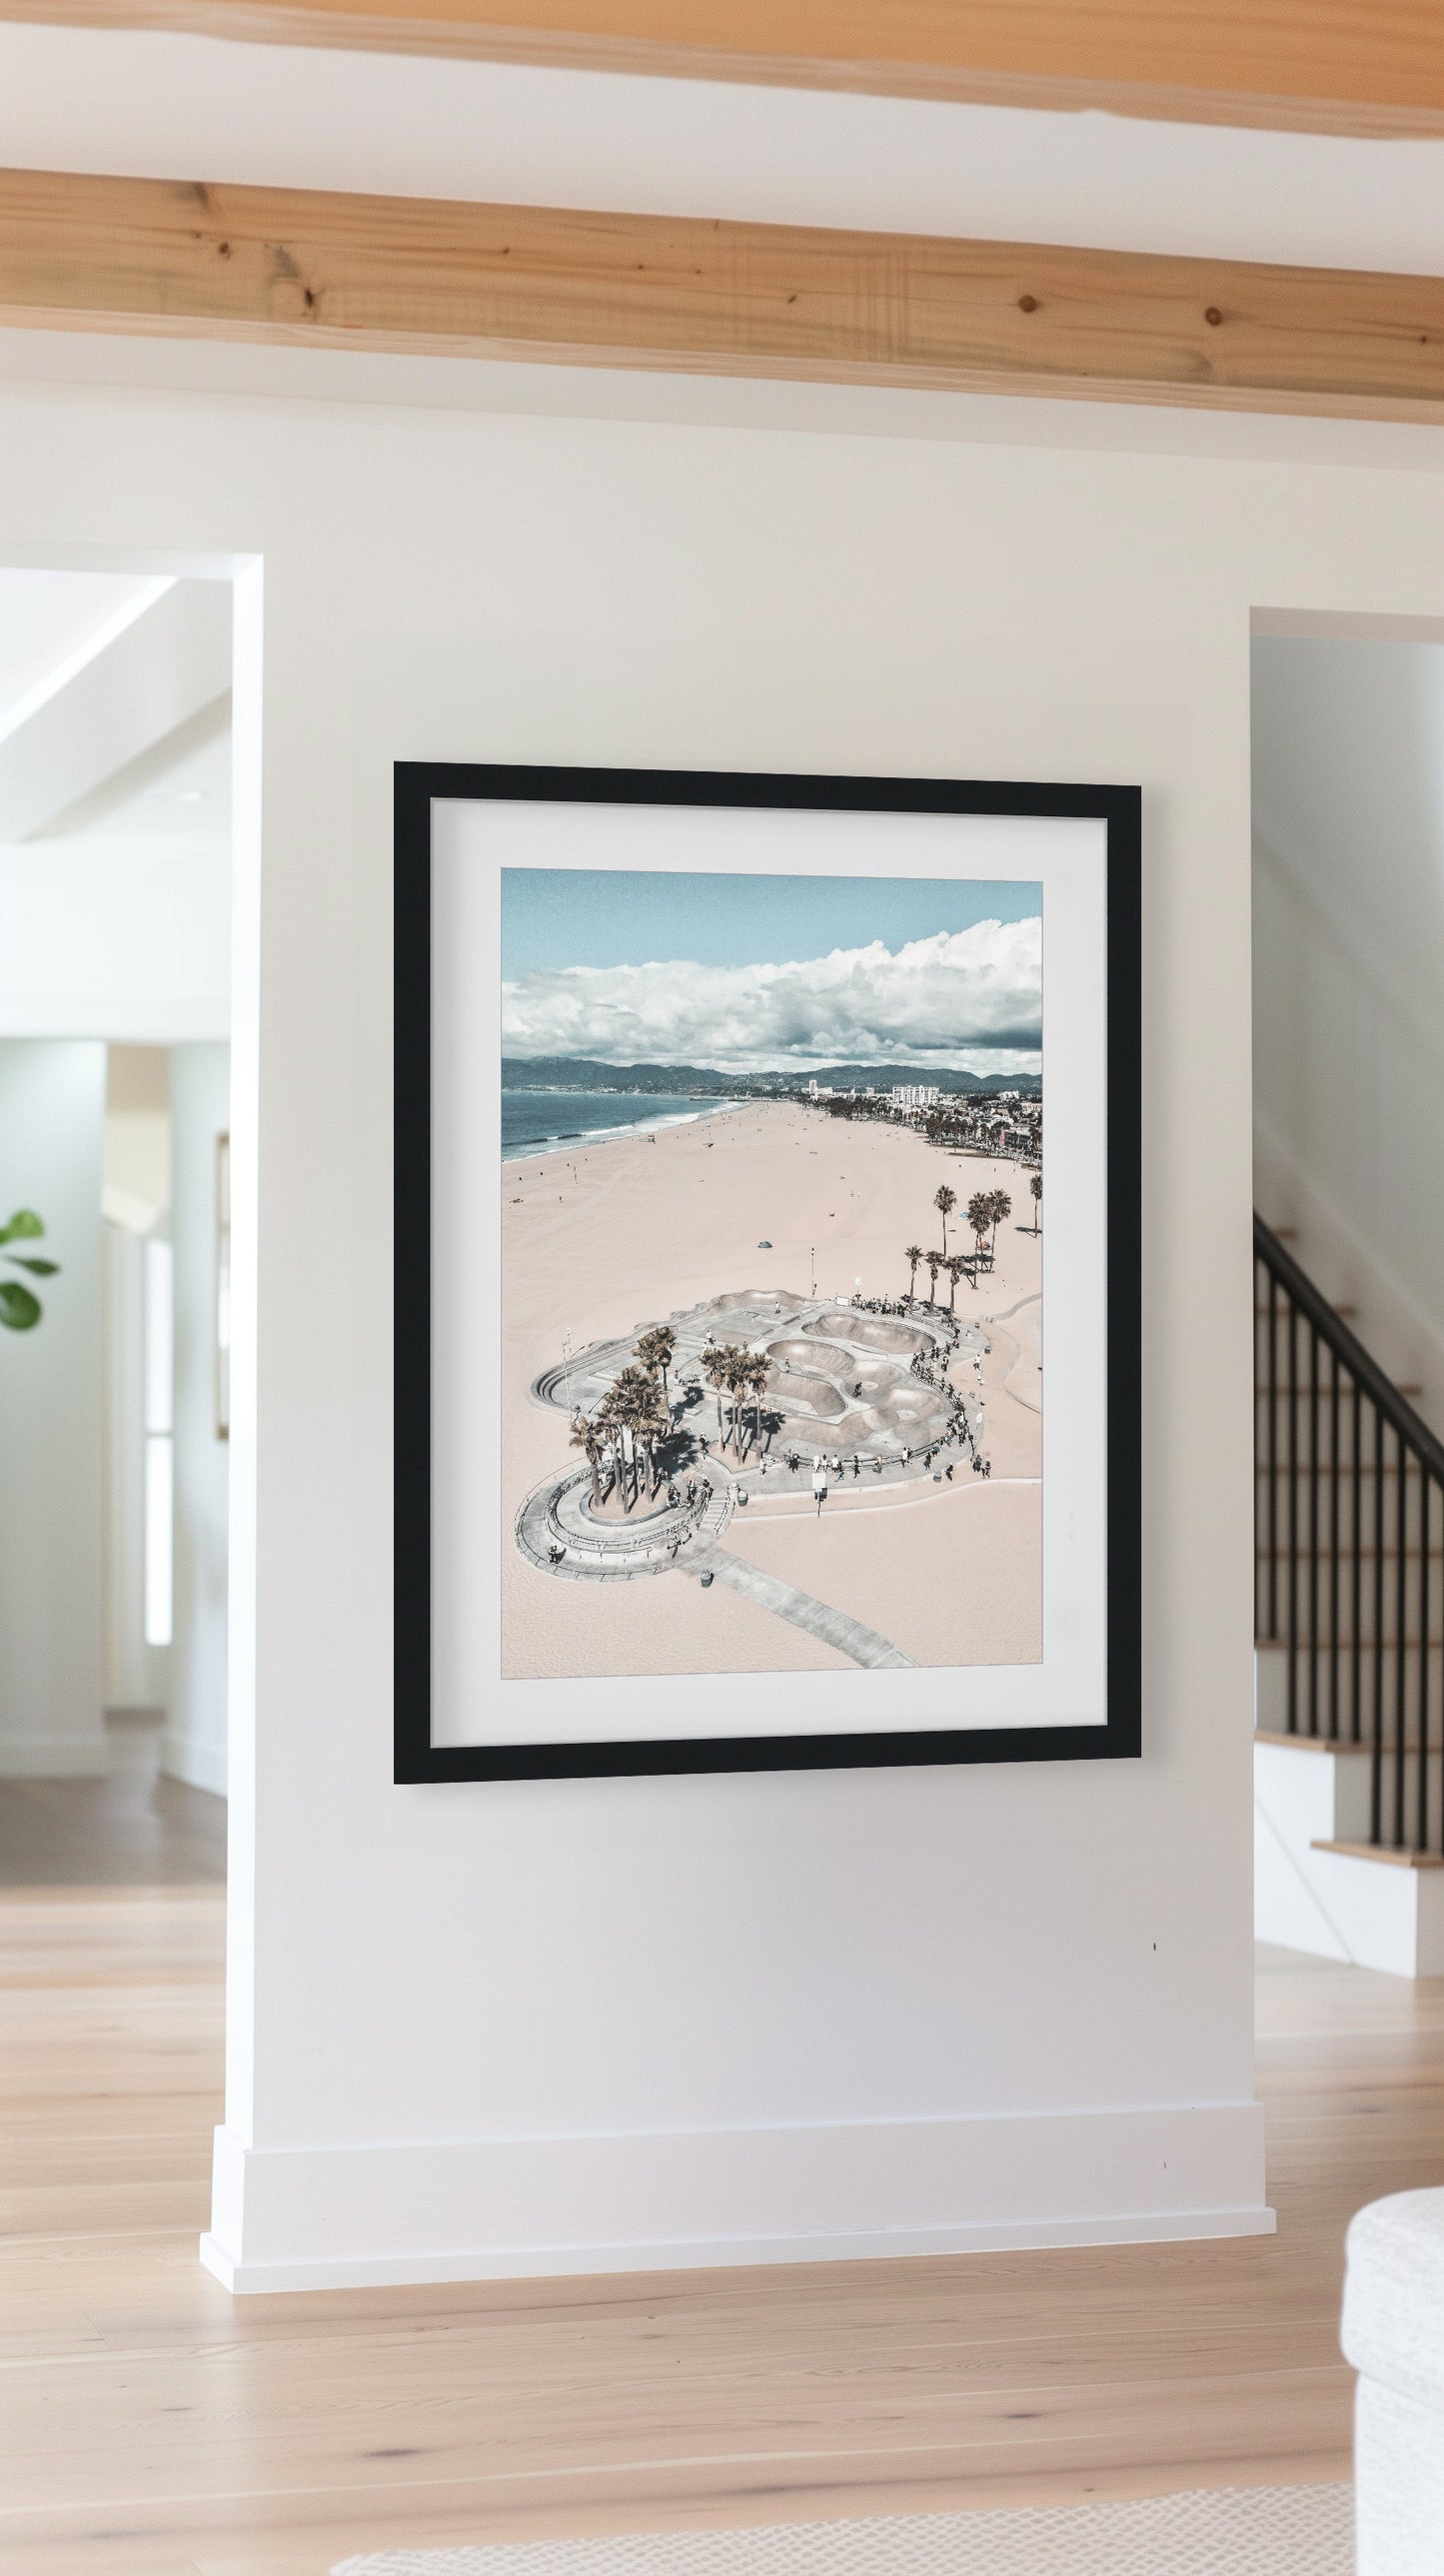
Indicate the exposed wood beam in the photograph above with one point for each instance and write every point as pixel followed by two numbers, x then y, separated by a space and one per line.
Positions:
pixel 1342 66
pixel 423 276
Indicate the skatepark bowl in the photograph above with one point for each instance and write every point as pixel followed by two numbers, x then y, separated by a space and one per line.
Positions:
pixel 841 1387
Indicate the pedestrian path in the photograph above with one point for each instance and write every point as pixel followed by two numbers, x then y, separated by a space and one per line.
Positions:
pixel 833 1627
pixel 555 1530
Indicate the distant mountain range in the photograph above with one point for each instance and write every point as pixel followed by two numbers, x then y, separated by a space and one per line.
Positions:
pixel 583 1073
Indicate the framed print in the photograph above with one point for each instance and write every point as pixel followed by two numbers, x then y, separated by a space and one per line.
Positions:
pixel 726 1272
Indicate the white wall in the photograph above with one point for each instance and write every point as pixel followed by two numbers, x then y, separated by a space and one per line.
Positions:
pixel 1348 974
pixel 478 2029
pixel 194 1746
pixel 52 1108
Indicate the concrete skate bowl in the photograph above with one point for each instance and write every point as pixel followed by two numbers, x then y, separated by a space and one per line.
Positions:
pixel 871 1333
pixel 913 1409
pixel 803 1354
pixel 784 1298
pixel 795 1390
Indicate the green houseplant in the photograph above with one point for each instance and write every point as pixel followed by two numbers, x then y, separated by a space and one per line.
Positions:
pixel 20 1308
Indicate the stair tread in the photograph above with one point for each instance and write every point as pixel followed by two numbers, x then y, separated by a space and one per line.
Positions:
pixel 1280 1645
pixel 1336 1466
pixel 1280 1553
pixel 1381 1851
pixel 1299 1742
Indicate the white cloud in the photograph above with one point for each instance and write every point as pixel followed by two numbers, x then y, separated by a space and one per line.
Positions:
pixel 970 999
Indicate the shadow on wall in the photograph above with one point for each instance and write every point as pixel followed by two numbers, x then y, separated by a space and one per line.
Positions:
pixel 1348 954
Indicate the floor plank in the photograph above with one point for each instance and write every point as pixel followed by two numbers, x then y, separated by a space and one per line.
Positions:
pixel 149 2426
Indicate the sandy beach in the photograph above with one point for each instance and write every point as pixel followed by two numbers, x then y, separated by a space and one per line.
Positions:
pixel 599 1240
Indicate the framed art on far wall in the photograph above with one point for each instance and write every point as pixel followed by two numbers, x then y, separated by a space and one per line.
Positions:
pixel 758 1139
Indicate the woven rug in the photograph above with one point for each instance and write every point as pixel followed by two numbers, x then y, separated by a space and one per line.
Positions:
pixel 1236 2531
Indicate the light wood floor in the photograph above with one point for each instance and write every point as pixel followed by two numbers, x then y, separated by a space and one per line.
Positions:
pixel 134 1828
pixel 148 2426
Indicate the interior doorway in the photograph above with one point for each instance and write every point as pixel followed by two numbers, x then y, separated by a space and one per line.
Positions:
pixel 1348 953
pixel 115 878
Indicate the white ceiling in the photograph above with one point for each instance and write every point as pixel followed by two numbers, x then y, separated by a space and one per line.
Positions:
pixel 114 709
pixel 51 625
pixel 163 105
pixel 114 806
pixel 177 796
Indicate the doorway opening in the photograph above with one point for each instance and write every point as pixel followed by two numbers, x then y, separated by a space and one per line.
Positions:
pixel 1348 956
pixel 115 970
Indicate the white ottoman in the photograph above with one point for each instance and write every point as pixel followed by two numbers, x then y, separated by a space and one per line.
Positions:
pixel 1393 2333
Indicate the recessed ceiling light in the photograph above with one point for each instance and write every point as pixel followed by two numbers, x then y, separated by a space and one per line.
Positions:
pixel 179 795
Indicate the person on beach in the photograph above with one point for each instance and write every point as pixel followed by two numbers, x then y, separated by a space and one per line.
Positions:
pixel 819 1486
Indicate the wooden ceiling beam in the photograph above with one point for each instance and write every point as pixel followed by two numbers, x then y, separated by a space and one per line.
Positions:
pixel 424 276
pixel 1340 66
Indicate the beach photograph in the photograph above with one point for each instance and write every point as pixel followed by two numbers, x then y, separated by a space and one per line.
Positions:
pixel 772 1222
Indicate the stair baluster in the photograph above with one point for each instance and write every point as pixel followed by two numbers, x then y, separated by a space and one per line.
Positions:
pixel 1331 1427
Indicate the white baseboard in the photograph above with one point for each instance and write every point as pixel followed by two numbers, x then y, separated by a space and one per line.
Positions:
pixel 202 1765
pixel 46 1757
pixel 507 2209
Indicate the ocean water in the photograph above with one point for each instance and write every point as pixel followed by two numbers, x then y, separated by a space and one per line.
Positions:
pixel 539 1122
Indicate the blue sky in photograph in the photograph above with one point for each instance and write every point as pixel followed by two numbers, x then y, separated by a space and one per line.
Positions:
pixel 559 917
pixel 758 973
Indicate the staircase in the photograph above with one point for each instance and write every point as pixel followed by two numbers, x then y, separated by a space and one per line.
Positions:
pixel 1349 1630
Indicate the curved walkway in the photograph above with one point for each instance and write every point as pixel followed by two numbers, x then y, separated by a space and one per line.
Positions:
pixel 554 1516
pixel 832 1627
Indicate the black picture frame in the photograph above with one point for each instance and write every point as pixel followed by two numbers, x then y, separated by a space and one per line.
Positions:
pixel 417 1760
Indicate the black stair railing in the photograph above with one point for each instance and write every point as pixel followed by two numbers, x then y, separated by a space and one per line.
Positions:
pixel 1349 1555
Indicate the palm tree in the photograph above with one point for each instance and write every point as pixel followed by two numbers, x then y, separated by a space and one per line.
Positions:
pixel 739 1384
pixel 651 1426
pixel 980 1217
pixel 758 1378
pixel 1036 1186
pixel 912 1257
pixel 714 1369
pixel 955 1269
pixel 935 1263
pixel 945 1202
pixel 585 1435
pixel 1002 1207
pixel 629 1404
pixel 610 1424
pixel 655 1351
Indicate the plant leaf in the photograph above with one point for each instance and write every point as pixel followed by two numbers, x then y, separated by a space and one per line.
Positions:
pixel 24 1223
pixel 18 1308
pixel 39 1269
